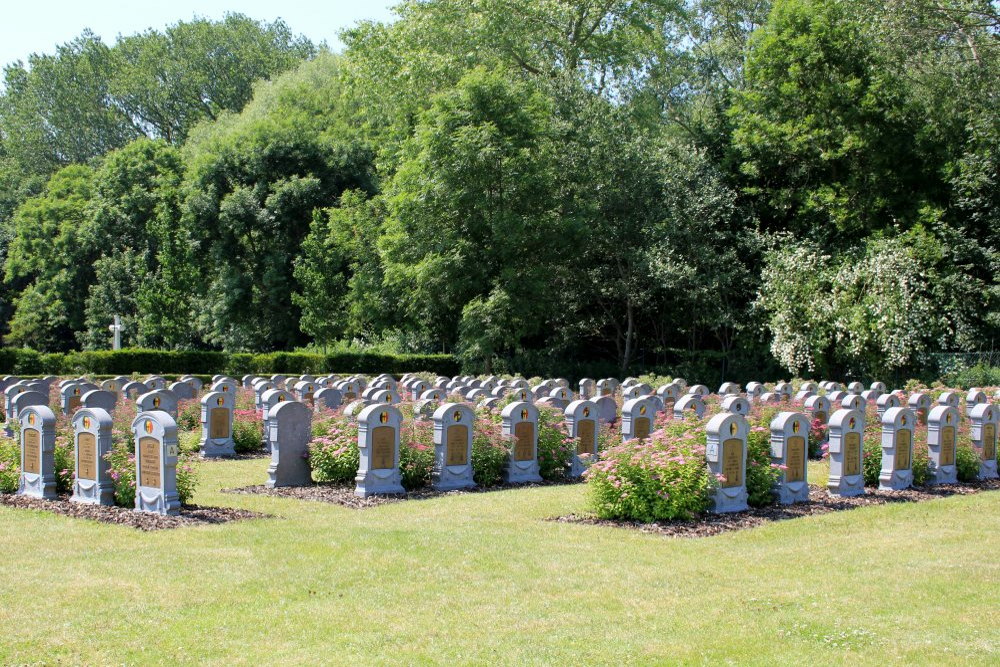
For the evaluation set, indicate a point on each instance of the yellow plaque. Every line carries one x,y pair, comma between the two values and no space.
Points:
74,403
149,462
642,427
989,442
86,452
383,456
903,439
586,436
852,454
732,462
32,451
795,459
218,423
308,398
947,457
524,447
349,396
821,416
457,445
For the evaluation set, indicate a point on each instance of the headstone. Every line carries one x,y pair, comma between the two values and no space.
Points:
636,391
581,422
72,396
726,452
269,400
155,382
689,404
921,406
669,394
638,419
38,447
437,395
818,408
100,398
195,383
351,389
489,403
225,386
21,401
754,390
837,397
607,409
304,391
156,452
784,390
354,408
897,449
327,398
247,381
769,397
182,390
588,387
290,423
259,389
729,388
92,436
949,398
985,418
112,385
606,387
801,396
877,387
378,442
736,404
870,396
886,401
698,390
790,451
132,390
854,402
453,424
158,399
217,424
942,443
846,449
973,398
855,388
809,386
520,422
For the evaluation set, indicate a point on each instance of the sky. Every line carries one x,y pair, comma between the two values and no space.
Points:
37,26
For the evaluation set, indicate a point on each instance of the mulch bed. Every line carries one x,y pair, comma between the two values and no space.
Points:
191,515
343,494
820,502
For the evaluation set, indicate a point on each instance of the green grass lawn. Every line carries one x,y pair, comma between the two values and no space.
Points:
484,578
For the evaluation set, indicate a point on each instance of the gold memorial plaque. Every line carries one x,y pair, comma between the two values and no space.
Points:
218,423
642,427
149,462
586,436
32,451
383,456
989,442
74,403
457,445
524,447
852,454
732,462
902,458
795,459
948,446
86,451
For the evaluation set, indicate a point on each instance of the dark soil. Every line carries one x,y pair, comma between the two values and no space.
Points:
343,494
820,502
191,515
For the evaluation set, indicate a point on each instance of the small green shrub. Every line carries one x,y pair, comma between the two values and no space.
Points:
10,464
761,475
555,447
248,431
967,462
333,452
490,453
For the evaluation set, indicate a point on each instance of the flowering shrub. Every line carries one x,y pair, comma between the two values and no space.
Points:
188,415
967,462
490,452
65,459
416,453
555,447
248,431
661,478
819,434
761,475
10,464
333,452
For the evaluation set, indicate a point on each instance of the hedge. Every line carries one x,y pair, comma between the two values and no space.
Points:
14,361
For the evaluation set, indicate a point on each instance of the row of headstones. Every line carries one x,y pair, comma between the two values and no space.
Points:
726,451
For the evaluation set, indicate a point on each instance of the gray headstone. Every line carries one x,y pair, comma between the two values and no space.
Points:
290,423
156,452
92,484
38,447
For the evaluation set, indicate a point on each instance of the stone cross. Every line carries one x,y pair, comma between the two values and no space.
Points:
116,329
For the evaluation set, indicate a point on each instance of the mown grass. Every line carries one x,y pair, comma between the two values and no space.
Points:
485,578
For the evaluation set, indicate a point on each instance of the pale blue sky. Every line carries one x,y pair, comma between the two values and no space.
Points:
36,26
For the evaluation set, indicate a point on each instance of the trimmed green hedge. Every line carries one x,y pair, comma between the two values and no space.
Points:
15,361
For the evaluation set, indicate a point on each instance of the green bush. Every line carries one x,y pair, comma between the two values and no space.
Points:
761,475
248,432
555,447
122,463
967,462
10,464
333,452
490,453
659,479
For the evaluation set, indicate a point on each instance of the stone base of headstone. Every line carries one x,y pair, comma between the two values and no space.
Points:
988,469
730,500
846,485
378,482
521,472
157,503
793,492
576,468
898,480
90,492
452,478
211,449
37,486
944,475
